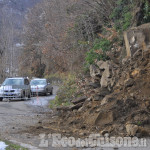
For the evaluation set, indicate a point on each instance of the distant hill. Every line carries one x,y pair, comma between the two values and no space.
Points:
19,5
15,11
12,20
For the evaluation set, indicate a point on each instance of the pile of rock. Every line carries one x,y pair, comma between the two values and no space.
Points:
103,72
116,98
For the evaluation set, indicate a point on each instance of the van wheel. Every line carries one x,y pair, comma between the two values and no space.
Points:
46,93
23,96
51,93
29,96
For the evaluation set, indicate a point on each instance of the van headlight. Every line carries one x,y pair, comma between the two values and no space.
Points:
19,91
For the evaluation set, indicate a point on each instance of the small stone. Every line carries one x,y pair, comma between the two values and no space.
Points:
94,85
129,82
74,111
135,73
97,98
103,132
124,61
132,94
131,129
121,128
89,99
81,109
81,134
79,100
98,110
104,101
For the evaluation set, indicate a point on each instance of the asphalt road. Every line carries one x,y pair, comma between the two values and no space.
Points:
16,116
11,113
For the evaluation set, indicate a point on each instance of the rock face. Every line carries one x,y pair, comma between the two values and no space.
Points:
116,101
103,73
137,38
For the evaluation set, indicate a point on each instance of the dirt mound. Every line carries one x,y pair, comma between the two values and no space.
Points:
116,101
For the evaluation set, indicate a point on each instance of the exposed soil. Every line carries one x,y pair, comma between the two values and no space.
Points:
127,103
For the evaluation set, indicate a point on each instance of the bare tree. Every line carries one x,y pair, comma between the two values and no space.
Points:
59,33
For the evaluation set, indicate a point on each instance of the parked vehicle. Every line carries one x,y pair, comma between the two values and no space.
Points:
41,86
17,88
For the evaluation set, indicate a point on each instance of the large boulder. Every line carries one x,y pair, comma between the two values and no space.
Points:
131,129
107,80
137,38
104,118
104,65
99,118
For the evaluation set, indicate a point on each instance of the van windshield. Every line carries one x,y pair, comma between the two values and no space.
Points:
38,82
13,82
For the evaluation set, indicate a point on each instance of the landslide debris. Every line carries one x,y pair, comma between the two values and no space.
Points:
116,100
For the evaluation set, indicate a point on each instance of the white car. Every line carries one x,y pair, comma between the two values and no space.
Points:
41,86
15,89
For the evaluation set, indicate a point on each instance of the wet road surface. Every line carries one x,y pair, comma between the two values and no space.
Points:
40,101
16,116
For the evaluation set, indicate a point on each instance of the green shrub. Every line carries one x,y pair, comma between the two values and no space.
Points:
146,10
127,20
103,44
91,56
65,93
122,14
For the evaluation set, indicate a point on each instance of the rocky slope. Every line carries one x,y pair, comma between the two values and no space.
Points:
116,99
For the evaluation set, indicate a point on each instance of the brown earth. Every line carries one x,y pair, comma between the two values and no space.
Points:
122,108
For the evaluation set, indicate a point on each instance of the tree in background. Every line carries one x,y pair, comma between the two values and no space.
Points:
58,34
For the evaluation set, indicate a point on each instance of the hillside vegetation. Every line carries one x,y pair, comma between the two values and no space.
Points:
67,36
12,20
104,91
